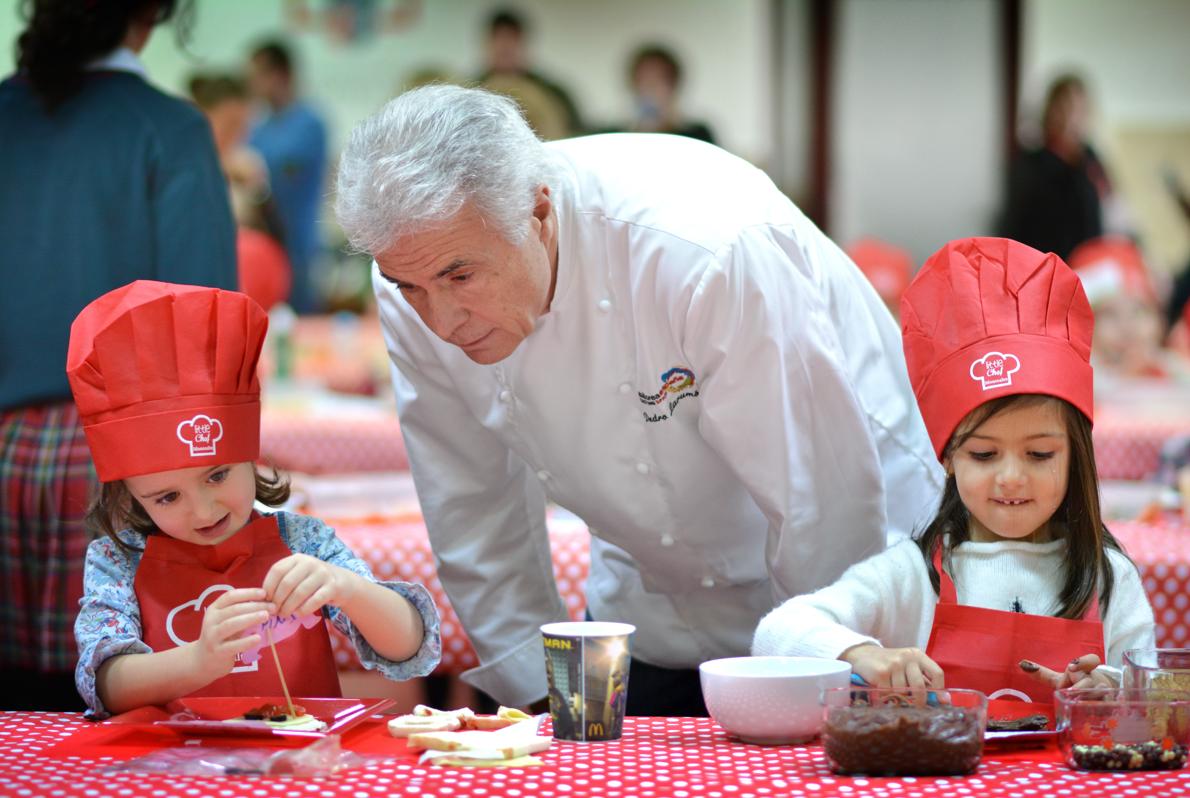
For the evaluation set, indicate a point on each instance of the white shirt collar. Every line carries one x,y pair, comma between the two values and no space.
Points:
120,60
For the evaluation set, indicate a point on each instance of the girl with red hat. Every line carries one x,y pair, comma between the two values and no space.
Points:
1015,587
189,581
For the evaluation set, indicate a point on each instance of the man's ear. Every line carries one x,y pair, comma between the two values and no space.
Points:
543,208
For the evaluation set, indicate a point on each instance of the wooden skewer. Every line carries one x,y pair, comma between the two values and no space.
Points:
268,633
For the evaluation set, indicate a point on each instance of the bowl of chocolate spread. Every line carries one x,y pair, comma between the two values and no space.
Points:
903,732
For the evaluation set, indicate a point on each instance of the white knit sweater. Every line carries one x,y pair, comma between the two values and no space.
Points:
887,599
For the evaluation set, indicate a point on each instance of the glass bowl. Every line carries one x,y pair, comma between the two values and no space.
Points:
882,731
1158,668
1123,728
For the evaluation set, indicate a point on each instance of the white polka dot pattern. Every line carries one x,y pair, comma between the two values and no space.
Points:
670,757
1128,446
332,445
1162,552
399,549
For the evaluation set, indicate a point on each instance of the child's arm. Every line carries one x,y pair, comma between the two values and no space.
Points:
378,622
882,599
302,585
129,681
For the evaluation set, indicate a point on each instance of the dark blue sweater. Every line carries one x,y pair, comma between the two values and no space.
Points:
121,182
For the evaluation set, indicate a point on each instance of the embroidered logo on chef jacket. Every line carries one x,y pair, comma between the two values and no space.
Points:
200,433
995,369
677,383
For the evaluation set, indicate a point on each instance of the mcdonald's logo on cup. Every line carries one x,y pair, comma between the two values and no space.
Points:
586,666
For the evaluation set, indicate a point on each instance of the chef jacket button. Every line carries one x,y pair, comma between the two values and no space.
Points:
506,396
543,475
667,540
642,468
708,581
625,388
605,305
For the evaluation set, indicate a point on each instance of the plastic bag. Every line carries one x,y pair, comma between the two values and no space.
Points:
322,758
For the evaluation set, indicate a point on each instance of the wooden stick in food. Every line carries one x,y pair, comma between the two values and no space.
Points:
280,674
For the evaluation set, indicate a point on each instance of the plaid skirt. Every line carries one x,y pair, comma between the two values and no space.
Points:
46,482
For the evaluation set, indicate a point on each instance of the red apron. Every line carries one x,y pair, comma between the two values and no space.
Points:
980,649
176,579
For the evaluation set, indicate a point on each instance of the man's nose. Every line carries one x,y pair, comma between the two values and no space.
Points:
443,315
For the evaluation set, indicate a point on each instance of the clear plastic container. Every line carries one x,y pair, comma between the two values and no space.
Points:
1157,669
903,732
1123,728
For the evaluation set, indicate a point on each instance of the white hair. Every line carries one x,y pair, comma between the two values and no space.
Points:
415,163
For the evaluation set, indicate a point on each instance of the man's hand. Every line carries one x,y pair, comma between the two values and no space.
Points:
1080,673
894,667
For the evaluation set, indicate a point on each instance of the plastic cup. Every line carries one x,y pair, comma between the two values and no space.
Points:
586,663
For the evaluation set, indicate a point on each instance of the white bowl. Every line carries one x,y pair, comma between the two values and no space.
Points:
770,700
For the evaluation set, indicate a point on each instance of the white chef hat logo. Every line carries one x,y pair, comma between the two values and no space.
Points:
200,433
995,369
197,605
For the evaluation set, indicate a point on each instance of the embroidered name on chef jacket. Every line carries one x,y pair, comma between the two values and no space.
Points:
677,383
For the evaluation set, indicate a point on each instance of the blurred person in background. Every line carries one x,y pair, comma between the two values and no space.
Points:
889,269
264,271
646,331
547,106
1129,327
1059,194
292,139
655,77
105,180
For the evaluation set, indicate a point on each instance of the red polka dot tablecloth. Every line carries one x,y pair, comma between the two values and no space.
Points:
332,445
1129,446
670,757
1162,553
400,550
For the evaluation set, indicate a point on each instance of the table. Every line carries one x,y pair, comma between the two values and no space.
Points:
672,757
399,548
306,429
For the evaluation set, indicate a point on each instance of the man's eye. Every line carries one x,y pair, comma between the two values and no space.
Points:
460,278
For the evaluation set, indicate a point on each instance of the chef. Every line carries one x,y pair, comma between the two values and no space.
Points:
641,329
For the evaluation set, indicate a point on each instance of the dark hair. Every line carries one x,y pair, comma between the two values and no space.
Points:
208,90
63,36
507,18
656,52
276,54
1087,539
115,509
1058,89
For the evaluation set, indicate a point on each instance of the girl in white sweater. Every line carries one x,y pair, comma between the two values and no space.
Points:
1016,587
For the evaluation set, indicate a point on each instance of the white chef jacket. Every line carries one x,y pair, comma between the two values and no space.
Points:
716,390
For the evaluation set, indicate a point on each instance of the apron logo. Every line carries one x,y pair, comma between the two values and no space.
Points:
676,384
1008,692
197,606
995,369
200,433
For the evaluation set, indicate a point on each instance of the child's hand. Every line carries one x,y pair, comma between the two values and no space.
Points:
1079,673
301,585
223,623
893,667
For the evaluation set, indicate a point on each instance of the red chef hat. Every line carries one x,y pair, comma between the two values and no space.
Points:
989,317
1112,265
887,267
164,377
